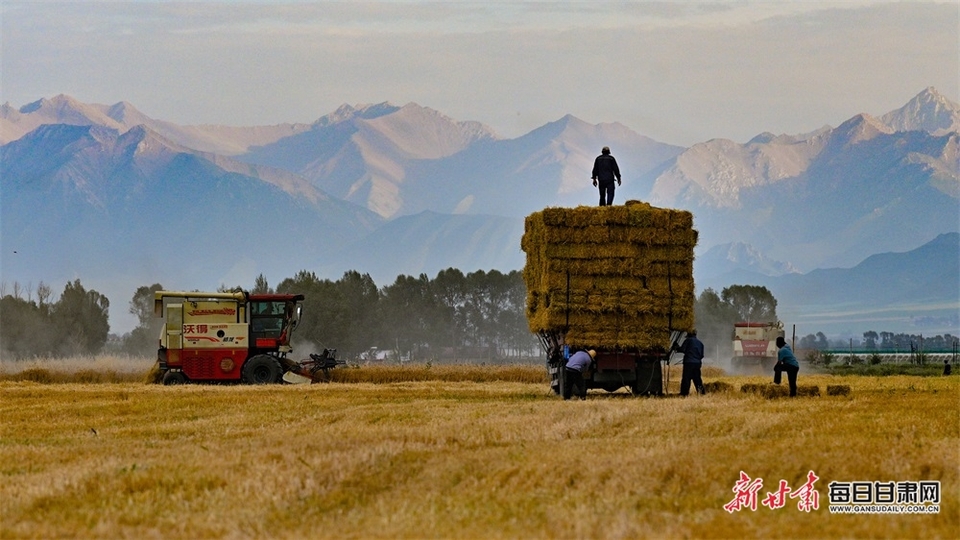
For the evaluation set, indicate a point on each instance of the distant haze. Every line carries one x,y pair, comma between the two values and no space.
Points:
678,72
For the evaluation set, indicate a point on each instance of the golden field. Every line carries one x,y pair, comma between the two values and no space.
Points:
444,456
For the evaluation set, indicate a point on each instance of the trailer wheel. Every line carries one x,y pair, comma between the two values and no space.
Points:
172,378
262,369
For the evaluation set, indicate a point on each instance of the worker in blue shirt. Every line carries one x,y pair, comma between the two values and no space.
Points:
692,350
576,366
786,361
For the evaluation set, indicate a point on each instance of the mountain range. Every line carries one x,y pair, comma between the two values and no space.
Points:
114,197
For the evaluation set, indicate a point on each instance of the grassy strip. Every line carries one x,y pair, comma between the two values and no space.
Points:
885,370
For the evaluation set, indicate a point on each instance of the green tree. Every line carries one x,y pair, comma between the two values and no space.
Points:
343,315
357,313
142,340
753,303
82,319
316,323
409,312
260,286
714,319
26,328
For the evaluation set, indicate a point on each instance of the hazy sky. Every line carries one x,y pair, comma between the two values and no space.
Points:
680,72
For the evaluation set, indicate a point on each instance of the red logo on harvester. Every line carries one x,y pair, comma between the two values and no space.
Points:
221,311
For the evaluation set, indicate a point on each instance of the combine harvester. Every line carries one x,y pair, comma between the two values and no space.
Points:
755,344
615,279
233,337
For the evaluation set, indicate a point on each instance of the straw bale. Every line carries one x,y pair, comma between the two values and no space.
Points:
636,215
716,387
599,235
611,277
574,250
838,390
771,391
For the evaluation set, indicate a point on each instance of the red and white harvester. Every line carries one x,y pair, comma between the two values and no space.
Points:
755,344
232,337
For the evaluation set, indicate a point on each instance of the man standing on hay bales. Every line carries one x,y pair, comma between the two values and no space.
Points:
573,373
692,350
786,361
605,169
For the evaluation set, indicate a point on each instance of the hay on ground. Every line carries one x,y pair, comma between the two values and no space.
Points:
838,390
716,387
771,391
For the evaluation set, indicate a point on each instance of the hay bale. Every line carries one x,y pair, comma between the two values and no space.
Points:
612,276
771,391
716,387
838,390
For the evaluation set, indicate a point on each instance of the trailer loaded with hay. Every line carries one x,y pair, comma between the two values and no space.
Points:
615,279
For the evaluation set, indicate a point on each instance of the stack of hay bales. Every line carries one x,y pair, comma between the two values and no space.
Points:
610,277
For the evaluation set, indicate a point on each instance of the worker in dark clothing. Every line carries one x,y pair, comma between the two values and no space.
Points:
786,361
605,170
946,367
576,366
692,350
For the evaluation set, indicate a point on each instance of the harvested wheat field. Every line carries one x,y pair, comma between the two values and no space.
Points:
463,459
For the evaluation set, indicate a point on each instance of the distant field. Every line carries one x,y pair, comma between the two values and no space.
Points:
447,458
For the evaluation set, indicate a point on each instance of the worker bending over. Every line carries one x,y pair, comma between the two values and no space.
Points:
576,366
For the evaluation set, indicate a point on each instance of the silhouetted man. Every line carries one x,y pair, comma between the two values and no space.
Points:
605,170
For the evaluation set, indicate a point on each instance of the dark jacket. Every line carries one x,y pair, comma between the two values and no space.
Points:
605,169
692,350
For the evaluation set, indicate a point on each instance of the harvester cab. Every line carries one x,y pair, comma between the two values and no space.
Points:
227,336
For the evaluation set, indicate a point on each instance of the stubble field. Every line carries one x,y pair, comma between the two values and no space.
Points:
446,457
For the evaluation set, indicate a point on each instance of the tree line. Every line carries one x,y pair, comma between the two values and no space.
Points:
479,315
76,323
882,342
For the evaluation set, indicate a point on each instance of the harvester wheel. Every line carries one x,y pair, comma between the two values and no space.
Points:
171,378
262,369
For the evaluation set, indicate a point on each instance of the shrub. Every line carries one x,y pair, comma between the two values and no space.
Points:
38,375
